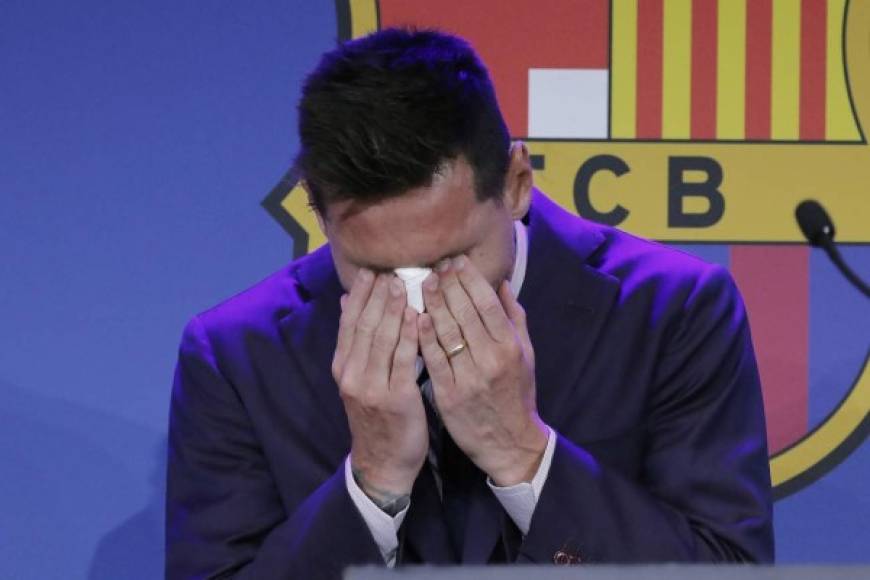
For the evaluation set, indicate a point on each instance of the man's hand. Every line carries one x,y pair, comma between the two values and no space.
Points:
485,394
374,366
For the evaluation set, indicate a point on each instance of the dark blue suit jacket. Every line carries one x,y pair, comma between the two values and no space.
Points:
644,367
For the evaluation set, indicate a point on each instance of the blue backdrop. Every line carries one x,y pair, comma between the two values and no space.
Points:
136,142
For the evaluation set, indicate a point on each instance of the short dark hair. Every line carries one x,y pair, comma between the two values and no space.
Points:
381,114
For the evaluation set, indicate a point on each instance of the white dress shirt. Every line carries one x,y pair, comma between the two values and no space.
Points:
518,500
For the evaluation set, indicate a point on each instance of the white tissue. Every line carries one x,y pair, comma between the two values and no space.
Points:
413,279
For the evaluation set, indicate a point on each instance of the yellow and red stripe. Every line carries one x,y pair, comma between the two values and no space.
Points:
704,68
731,70
623,72
756,70
839,119
813,58
759,25
650,20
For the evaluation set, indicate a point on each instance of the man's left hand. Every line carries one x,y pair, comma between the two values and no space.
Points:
485,393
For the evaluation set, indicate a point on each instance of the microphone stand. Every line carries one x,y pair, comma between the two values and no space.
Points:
818,229
831,248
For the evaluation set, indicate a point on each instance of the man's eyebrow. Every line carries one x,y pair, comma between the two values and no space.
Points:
377,269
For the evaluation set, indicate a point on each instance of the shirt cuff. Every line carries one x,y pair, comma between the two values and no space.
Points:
384,528
519,500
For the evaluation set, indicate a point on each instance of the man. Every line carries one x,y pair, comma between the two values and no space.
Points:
570,394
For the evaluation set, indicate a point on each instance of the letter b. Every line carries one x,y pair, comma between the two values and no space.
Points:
679,189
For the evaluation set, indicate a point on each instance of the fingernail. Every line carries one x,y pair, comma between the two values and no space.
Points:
443,265
459,262
395,287
430,283
364,275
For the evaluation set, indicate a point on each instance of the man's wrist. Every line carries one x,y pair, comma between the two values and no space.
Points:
525,462
393,506
389,501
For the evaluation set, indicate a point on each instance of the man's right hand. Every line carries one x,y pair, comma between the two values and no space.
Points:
374,366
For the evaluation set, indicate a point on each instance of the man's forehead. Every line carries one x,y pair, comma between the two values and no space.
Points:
416,228
387,240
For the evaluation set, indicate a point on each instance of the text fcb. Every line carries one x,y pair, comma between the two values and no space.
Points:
694,122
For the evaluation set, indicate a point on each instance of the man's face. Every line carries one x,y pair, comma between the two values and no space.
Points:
426,224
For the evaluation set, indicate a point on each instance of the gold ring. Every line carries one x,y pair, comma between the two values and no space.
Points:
456,350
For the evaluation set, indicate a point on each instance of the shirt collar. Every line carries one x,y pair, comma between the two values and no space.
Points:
521,257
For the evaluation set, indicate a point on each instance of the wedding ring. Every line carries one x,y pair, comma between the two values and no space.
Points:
456,350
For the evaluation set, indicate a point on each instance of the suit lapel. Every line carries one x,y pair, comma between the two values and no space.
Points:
566,300
310,331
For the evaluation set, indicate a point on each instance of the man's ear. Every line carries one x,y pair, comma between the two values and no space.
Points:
519,181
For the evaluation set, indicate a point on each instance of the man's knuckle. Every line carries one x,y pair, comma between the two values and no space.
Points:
435,300
371,399
466,313
452,336
513,351
347,391
490,307
382,341
366,326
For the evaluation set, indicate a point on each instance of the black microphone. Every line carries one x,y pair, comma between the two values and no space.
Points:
818,229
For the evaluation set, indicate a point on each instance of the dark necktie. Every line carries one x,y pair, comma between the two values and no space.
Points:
456,472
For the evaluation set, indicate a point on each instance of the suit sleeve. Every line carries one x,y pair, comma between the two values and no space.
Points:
704,493
224,515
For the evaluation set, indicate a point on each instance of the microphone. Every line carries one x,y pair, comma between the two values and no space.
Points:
818,229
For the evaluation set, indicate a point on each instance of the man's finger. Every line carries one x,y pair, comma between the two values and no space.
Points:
462,309
387,334
351,306
485,299
404,371
366,325
447,331
433,355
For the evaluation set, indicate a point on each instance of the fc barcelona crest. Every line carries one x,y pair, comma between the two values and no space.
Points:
699,123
